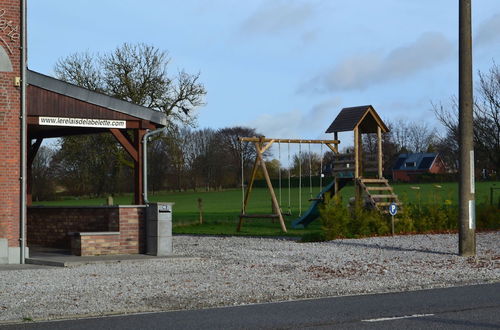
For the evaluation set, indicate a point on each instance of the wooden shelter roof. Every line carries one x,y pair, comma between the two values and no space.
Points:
364,117
50,97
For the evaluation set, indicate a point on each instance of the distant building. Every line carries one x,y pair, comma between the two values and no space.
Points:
408,166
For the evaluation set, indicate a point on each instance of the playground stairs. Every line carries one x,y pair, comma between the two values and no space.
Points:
379,192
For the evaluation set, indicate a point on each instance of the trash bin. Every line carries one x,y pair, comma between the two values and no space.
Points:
159,229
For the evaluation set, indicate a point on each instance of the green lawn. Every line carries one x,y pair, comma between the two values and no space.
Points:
221,208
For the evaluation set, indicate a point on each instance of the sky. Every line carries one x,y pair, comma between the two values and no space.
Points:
284,67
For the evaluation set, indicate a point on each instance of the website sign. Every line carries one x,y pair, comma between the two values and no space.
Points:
82,122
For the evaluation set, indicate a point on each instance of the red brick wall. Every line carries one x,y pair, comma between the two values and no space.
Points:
49,226
95,245
10,132
438,166
132,230
398,175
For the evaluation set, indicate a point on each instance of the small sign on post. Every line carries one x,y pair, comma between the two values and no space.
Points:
393,210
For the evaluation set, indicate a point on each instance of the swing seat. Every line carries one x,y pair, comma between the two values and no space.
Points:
316,199
259,216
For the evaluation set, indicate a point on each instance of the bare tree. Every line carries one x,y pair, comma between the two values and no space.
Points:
81,69
306,163
138,74
421,137
43,183
411,136
486,122
400,135
230,152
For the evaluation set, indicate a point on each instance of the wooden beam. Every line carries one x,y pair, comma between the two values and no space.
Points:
356,153
33,150
357,165
334,148
267,146
264,140
270,186
126,143
379,151
250,184
138,164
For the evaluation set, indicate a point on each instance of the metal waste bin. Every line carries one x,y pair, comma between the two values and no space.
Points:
159,229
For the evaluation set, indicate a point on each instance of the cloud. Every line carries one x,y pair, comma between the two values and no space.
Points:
276,16
487,32
298,124
361,71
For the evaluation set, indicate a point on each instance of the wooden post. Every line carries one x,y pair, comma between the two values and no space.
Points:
134,149
138,191
200,209
32,150
357,163
379,152
356,153
273,210
250,184
270,186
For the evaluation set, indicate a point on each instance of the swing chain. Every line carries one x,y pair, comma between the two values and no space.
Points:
279,172
310,173
300,179
242,181
321,169
289,183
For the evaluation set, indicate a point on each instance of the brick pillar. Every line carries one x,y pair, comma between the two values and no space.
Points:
10,134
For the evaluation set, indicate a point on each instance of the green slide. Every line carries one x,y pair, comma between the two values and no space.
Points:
313,213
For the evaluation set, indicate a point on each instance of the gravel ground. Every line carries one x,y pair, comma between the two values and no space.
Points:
233,271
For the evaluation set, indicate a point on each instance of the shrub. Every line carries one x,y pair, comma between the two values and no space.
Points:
403,223
487,217
367,222
436,215
313,237
334,217
340,221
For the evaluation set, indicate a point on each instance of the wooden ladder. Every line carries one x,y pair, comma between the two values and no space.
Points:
379,192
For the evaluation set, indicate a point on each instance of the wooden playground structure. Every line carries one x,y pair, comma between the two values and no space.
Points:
371,188
261,145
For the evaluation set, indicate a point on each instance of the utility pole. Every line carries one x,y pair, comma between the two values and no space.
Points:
467,212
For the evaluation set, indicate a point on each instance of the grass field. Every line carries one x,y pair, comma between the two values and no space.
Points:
221,208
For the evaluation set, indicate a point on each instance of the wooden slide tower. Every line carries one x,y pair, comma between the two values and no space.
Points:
370,185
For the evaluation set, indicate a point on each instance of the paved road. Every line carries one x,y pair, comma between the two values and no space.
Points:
452,308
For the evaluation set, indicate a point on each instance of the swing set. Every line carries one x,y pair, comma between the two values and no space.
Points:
371,188
262,144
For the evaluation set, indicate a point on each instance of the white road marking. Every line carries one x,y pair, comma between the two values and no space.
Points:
381,319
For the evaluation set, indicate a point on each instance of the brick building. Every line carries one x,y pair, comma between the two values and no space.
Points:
10,130
54,108
408,166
